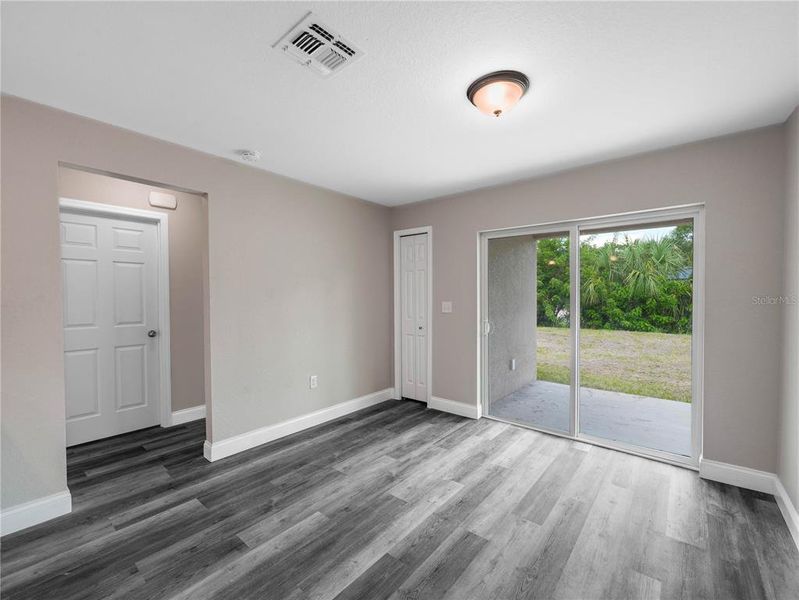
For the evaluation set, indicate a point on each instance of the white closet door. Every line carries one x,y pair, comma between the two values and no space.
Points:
111,362
414,303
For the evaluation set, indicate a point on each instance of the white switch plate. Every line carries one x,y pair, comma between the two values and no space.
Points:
313,382
446,306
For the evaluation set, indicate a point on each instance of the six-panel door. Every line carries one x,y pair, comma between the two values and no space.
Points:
110,288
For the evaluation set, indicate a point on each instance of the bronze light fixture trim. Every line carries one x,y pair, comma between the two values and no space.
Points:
496,93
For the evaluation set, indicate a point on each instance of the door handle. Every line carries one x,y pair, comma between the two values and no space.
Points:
152,333
486,326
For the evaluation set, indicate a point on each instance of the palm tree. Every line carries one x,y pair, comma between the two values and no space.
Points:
600,265
644,266
648,264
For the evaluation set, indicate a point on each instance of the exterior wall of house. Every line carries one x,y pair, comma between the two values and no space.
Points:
512,312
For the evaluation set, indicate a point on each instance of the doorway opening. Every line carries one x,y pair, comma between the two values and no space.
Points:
134,282
592,329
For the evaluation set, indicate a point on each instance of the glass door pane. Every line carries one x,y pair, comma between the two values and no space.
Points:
636,302
528,351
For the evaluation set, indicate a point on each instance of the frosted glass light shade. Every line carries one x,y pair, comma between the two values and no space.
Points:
495,99
496,93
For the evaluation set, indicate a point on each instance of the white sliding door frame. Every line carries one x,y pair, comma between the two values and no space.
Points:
161,222
397,311
575,228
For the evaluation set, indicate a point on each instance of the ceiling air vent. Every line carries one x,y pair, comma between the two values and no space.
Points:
318,47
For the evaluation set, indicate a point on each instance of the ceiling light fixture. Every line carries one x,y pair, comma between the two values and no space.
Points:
496,93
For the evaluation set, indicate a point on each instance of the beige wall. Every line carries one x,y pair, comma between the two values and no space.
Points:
788,467
512,310
741,181
188,248
299,283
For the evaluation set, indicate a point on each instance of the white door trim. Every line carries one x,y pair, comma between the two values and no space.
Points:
161,221
397,317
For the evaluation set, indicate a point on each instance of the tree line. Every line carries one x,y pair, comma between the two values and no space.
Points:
627,284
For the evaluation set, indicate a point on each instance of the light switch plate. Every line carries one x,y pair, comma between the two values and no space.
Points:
446,306
313,382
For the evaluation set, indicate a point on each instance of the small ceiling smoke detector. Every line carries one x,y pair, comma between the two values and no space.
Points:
496,93
318,46
250,155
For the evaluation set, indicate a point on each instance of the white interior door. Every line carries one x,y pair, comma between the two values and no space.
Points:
413,304
111,362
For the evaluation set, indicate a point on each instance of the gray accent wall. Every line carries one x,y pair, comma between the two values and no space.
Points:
741,181
512,313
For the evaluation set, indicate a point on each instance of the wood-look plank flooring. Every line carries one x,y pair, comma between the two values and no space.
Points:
396,501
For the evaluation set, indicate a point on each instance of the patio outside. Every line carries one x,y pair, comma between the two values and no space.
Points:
648,404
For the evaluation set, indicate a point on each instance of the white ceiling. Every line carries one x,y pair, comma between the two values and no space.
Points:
608,80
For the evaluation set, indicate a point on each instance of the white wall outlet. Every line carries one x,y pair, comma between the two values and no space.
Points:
512,364
446,306
313,382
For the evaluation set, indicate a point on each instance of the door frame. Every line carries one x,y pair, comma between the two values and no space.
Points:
161,222
695,212
397,309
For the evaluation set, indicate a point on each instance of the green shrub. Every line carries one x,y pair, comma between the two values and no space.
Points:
637,285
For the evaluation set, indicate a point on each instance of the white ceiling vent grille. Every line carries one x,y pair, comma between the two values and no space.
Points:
318,47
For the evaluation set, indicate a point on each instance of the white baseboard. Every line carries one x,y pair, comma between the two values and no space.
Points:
787,509
188,414
752,479
34,512
216,450
456,408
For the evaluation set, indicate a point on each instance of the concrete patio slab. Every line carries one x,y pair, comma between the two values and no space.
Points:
649,422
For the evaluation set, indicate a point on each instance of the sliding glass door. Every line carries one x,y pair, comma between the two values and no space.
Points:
529,351
590,330
636,305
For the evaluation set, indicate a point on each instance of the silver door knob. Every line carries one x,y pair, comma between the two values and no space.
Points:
152,333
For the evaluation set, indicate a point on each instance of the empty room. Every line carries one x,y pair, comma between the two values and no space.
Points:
399,300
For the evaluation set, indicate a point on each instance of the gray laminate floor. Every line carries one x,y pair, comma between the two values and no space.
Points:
396,502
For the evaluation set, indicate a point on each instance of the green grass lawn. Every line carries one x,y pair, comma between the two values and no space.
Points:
648,364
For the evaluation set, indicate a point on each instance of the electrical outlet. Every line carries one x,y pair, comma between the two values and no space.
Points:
313,382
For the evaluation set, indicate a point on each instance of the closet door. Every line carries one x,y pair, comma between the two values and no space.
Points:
414,303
